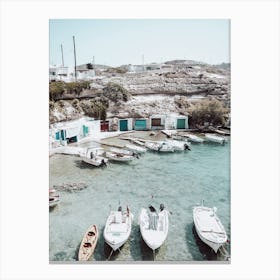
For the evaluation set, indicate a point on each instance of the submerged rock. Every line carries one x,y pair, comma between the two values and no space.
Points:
71,187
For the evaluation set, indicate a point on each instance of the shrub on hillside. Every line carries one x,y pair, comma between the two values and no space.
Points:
56,90
208,111
94,108
116,92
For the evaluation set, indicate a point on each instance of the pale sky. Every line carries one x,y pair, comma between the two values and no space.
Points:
124,41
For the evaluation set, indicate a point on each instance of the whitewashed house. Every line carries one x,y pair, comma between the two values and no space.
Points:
175,121
58,73
84,72
73,131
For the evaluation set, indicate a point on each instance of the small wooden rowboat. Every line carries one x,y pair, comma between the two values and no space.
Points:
88,243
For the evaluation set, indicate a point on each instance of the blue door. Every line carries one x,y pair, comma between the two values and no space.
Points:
123,125
140,125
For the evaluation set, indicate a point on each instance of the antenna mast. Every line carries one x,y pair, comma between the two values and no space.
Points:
75,59
62,55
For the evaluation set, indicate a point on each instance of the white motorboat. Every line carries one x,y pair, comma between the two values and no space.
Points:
121,151
194,138
119,157
209,227
215,138
93,157
136,149
154,226
178,145
159,147
53,198
140,143
118,228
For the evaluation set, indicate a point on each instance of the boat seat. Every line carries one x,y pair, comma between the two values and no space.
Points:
120,228
118,217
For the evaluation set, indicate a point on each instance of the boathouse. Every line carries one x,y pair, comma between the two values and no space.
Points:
175,121
104,125
141,124
157,122
125,124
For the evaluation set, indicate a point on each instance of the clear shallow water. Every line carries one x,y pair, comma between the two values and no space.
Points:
179,180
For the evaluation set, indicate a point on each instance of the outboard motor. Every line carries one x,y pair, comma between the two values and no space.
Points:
186,147
103,163
161,207
152,208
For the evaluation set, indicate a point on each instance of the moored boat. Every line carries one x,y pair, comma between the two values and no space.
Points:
209,227
121,151
93,157
138,142
154,226
194,138
179,145
136,149
118,228
159,147
88,243
54,198
119,157
215,138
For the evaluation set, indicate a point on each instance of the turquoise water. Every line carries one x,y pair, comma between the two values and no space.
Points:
179,180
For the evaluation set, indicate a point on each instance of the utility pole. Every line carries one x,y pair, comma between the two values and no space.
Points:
75,59
62,55
143,62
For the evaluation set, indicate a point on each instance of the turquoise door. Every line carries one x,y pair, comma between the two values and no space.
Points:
57,136
181,123
140,125
63,134
85,130
123,125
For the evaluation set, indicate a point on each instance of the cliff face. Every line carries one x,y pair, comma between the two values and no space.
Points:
166,91
194,80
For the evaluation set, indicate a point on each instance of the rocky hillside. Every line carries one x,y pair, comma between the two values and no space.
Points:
177,87
198,79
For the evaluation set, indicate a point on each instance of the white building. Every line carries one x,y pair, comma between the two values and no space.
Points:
175,121
73,131
58,73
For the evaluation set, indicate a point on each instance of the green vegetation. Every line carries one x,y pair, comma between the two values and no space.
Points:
56,90
208,111
116,92
94,108
59,89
